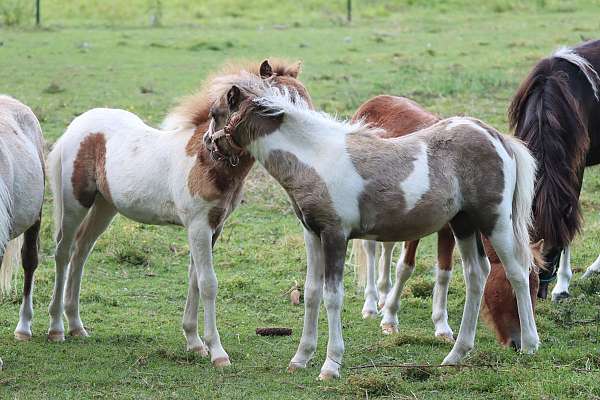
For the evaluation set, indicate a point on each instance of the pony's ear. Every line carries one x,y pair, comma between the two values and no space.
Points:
294,69
234,97
266,71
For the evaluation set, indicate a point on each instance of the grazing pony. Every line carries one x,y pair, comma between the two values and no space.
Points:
21,198
109,161
399,116
556,112
345,182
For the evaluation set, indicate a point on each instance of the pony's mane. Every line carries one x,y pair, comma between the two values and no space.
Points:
568,54
273,101
193,110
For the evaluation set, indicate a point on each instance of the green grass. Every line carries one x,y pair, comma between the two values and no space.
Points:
451,57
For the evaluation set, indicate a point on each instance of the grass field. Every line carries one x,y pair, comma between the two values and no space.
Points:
453,58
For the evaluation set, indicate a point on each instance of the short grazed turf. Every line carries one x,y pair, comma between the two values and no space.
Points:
452,57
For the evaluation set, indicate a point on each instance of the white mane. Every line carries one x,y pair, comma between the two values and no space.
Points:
584,65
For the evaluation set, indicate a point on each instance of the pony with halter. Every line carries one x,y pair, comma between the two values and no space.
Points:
109,161
21,198
345,182
556,112
399,116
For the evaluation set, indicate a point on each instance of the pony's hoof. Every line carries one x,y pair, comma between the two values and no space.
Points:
22,336
560,296
79,332
293,367
56,336
221,362
451,359
202,350
328,375
381,304
530,348
445,337
369,314
389,329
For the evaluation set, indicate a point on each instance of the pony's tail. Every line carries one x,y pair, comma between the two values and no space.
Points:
522,200
55,178
10,263
359,256
545,114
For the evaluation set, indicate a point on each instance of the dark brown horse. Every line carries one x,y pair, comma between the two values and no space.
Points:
556,112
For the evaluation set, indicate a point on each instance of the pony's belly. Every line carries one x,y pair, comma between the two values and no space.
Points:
156,213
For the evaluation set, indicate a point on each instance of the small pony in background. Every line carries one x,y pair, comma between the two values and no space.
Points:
21,198
400,116
556,113
109,161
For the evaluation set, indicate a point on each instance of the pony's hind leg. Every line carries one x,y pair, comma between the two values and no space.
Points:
476,269
503,241
564,274
439,313
384,282
404,269
29,257
190,315
592,269
72,215
95,222
369,309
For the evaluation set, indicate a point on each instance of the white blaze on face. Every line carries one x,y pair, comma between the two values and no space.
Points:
417,183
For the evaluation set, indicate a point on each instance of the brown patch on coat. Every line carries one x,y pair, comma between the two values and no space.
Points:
307,191
445,248
89,170
398,116
499,307
216,215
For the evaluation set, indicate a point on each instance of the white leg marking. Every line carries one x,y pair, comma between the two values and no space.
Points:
200,238
334,297
439,314
190,315
384,282
313,292
389,322
23,330
592,269
564,274
476,270
369,309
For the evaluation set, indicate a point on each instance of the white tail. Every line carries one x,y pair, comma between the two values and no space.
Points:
522,199
359,256
10,263
55,178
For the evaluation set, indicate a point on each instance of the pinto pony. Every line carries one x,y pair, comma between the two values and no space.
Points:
399,116
344,182
21,198
556,112
109,161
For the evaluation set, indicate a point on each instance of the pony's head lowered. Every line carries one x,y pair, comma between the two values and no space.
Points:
252,108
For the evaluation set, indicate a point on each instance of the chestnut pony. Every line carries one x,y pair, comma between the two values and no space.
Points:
109,161
399,116
556,112
21,198
345,183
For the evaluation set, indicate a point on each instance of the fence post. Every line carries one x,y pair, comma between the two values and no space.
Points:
349,3
37,12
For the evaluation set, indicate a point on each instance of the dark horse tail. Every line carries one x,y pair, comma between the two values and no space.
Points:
545,114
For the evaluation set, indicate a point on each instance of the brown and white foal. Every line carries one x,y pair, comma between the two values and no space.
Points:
345,182
21,198
109,161
399,116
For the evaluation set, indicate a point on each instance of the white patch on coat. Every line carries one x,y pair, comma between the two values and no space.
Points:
584,65
5,215
416,183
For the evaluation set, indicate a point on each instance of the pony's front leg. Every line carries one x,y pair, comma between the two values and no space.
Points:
564,274
190,315
334,250
200,238
592,269
476,269
313,292
384,282
404,269
369,309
